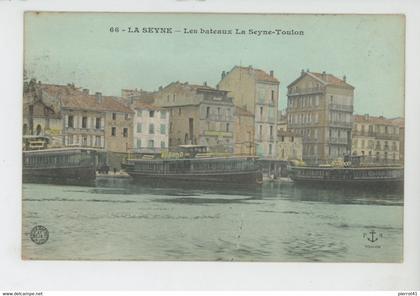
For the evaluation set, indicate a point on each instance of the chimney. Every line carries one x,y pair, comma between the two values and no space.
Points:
307,70
98,96
324,75
271,73
344,78
160,87
86,91
302,72
223,74
205,83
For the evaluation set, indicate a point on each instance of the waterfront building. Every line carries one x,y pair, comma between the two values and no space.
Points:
244,132
320,109
289,146
378,138
41,110
150,128
257,92
198,114
98,121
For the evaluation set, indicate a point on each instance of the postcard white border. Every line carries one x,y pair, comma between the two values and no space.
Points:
16,274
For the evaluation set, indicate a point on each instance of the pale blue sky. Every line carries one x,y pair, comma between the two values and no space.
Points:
78,47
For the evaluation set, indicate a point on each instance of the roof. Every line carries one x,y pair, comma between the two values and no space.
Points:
142,105
242,111
90,102
325,78
260,75
186,85
378,120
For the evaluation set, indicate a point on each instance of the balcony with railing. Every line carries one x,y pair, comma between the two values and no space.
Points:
339,107
342,124
342,141
303,91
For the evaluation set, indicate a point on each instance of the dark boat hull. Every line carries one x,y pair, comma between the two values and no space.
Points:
248,177
84,176
372,177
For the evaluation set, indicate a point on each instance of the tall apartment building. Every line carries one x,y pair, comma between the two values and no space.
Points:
377,138
257,92
198,114
151,128
320,109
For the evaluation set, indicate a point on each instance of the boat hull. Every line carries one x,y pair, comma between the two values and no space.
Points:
366,176
83,176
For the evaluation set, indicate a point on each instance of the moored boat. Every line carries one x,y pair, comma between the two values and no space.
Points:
348,173
191,166
70,165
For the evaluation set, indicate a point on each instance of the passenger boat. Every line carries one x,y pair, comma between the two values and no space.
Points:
191,163
348,173
72,165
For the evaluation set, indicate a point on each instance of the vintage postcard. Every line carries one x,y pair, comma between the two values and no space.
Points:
213,137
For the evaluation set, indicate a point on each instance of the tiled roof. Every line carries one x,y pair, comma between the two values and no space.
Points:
90,102
378,120
142,105
260,75
329,79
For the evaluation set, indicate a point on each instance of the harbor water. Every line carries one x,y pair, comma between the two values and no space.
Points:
279,221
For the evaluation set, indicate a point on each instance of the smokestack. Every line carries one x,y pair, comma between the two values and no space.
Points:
344,78
98,96
223,74
271,73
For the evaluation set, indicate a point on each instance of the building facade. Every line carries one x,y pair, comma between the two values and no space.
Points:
41,110
150,129
289,146
377,138
198,114
244,132
320,110
100,122
257,92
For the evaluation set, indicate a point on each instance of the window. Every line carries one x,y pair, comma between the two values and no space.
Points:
70,121
126,116
125,132
151,113
173,97
179,111
98,123
282,138
139,127
114,116
218,111
84,141
70,140
270,149
113,131
261,112
151,144
163,114
138,143
271,132
227,127
207,112
151,128
139,113
98,141
272,96
163,129
84,122
260,132
162,144
293,139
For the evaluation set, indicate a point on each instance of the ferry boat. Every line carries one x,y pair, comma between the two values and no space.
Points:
72,165
350,172
192,163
